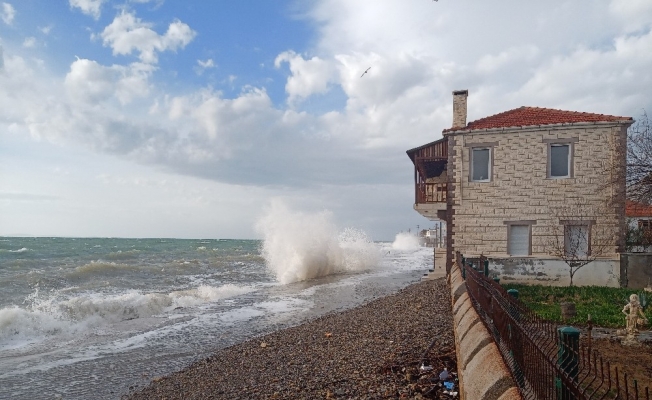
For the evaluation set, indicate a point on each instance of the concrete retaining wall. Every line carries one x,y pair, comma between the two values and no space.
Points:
635,270
554,272
481,369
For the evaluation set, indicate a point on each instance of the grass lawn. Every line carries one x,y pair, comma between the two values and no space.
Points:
604,304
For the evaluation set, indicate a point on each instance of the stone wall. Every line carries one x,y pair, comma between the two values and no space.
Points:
519,189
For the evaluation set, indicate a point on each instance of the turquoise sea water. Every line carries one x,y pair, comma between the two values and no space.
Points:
89,318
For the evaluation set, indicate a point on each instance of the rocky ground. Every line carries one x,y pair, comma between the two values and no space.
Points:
371,352
635,361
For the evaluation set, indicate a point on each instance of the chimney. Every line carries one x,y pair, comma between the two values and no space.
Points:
459,108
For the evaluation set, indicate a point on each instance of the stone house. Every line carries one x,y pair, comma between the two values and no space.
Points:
527,187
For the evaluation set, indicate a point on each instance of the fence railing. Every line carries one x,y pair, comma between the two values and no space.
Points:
546,360
431,193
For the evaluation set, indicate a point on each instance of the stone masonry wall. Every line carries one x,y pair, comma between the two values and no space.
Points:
520,190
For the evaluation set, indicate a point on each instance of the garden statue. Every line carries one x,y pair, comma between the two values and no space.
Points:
634,314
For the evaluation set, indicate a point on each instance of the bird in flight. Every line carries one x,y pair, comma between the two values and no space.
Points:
367,70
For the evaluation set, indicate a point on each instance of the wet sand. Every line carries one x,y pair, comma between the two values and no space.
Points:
373,351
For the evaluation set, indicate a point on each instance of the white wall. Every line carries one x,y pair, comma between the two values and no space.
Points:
555,272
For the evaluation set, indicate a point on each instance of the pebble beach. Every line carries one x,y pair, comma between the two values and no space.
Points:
391,347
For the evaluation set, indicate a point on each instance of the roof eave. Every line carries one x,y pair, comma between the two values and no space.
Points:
409,152
449,132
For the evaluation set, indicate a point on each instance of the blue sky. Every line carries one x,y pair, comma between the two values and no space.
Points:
167,118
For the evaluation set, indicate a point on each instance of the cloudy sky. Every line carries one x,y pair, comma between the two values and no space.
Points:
163,118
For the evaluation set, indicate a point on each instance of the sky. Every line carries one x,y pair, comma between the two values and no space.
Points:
188,119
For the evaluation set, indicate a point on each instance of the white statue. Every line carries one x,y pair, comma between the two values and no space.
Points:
634,314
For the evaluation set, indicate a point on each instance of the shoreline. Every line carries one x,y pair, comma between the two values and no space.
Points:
371,351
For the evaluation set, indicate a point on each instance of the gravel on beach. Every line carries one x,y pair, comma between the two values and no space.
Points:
374,351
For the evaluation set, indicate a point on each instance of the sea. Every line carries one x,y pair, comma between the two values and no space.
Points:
96,318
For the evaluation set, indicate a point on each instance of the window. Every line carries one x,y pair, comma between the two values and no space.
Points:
519,237
480,164
560,161
576,240
560,157
519,240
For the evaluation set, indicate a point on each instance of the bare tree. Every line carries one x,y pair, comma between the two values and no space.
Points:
639,161
637,238
576,238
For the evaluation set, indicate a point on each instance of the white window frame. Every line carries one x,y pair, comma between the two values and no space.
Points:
570,142
489,164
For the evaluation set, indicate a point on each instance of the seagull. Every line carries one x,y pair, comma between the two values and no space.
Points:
367,70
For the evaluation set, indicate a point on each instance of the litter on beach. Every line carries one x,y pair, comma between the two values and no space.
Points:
425,368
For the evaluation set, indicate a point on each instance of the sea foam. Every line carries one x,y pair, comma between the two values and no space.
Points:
59,312
299,246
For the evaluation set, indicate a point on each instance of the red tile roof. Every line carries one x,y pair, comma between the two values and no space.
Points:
529,116
634,209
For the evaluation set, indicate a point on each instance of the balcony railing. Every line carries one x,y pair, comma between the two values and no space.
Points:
431,193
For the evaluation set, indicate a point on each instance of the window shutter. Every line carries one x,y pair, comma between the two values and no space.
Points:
519,240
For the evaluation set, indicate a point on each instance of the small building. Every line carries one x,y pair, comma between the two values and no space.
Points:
639,222
518,186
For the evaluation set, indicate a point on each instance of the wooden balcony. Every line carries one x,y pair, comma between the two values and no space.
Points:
430,165
430,193
430,200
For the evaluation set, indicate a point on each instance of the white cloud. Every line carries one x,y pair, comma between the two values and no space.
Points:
538,55
90,82
514,55
204,65
89,7
308,77
633,14
29,42
8,13
557,53
605,81
46,29
127,34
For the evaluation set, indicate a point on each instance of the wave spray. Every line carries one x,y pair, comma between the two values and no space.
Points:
299,246
406,242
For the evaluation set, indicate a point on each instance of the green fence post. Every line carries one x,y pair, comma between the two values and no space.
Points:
567,359
486,268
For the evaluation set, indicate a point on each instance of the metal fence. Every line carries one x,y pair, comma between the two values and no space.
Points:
547,361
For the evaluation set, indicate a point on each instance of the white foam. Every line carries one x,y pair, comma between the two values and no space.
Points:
299,246
284,305
24,249
205,293
61,312
406,242
240,315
